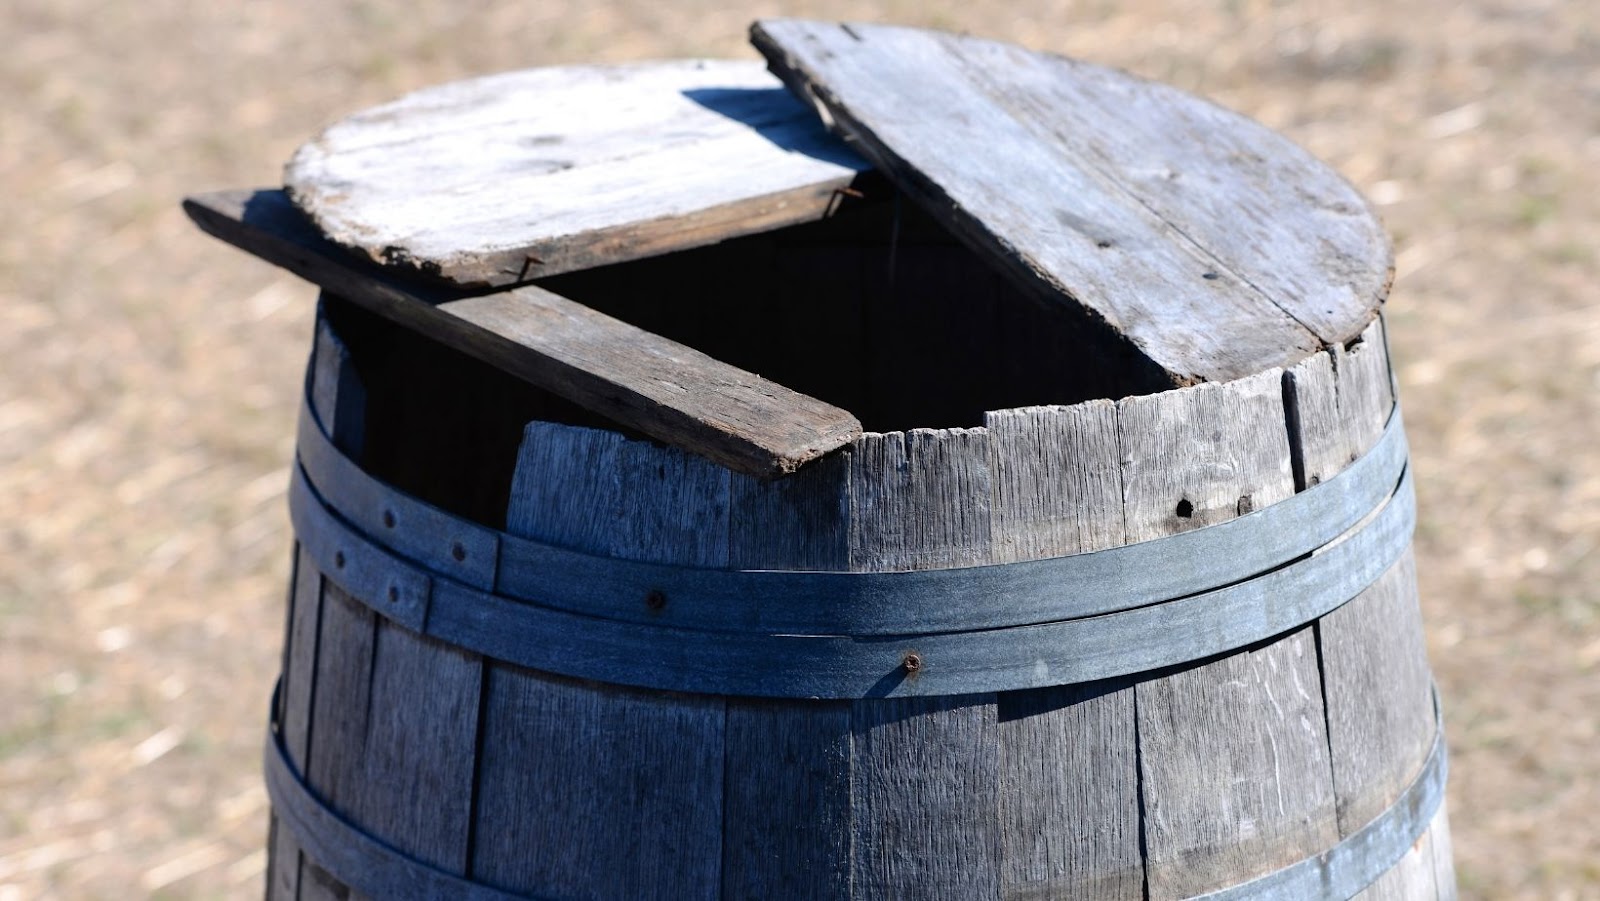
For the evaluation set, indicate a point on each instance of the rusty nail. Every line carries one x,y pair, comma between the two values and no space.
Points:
388,519
394,594
655,600
912,662
338,559
852,192
458,551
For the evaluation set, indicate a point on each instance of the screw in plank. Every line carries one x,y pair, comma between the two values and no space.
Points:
912,662
656,599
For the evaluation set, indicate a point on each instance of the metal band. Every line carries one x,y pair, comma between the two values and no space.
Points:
352,855
834,666
769,602
368,864
1345,869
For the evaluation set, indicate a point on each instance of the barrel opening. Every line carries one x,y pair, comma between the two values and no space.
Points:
439,424
878,309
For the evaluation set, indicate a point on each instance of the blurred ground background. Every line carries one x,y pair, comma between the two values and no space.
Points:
148,374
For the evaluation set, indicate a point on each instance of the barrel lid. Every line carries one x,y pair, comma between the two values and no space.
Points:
1213,246
1216,246
508,178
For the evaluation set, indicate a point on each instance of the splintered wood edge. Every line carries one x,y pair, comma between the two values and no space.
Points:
672,393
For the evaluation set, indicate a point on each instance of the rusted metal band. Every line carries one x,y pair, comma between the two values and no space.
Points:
352,855
889,604
1342,871
838,666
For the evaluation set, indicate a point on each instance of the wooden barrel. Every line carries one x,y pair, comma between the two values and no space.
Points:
1115,599
415,753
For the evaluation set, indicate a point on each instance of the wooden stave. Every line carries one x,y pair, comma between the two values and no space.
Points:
831,713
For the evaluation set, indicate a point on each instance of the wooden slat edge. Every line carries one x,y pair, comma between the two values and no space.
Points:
676,394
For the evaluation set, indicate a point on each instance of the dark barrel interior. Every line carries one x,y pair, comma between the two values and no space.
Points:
877,309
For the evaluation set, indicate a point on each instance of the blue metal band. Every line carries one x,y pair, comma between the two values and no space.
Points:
856,604
778,665
377,869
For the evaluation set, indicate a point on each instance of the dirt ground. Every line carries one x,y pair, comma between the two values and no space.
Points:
149,373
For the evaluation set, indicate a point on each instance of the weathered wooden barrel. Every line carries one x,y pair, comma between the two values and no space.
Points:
1118,601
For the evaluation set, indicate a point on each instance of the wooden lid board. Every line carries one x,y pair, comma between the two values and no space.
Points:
1213,244
508,178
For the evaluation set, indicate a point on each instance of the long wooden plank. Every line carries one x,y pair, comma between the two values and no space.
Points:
926,770
588,790
1233,753
1069,777
1374,661
498,180
787,827
668,391
338,401
1086,186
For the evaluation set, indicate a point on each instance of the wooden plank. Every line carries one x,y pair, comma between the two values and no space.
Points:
416,787
1444,867
1376,680
1234,758
787,813
925,798
338,399
593,490
1057,481
283,863
1263,207
342,698
1202,455
787,827
1152,262
1233,753
590,791
301,656
1365,387
1379,695
926,770
585,789
1069,806
498,180
919,500
664,389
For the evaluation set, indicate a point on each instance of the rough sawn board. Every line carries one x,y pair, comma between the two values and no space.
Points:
499,180
1214,246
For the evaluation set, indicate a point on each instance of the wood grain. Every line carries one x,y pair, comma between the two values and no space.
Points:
1375,668
1233,753
664,389
338,400
594,792
589,790
926,770
1151,192
1069,807
787,809
498,180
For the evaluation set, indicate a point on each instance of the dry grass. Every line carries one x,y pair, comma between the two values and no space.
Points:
149,380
